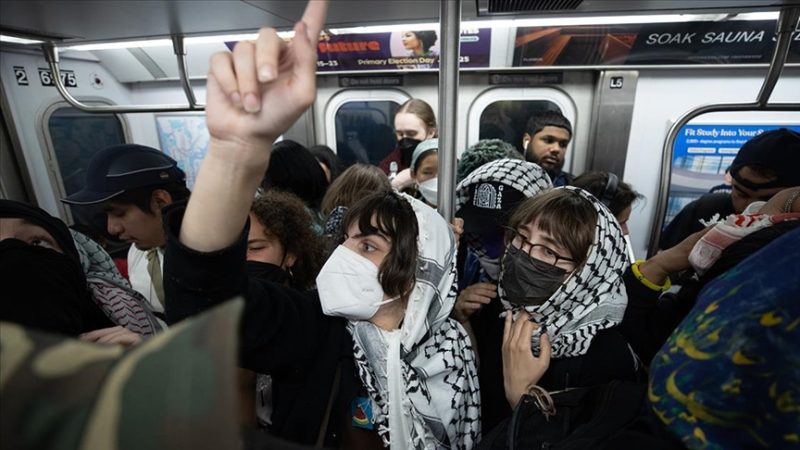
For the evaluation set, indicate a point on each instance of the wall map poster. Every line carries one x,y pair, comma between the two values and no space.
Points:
731,42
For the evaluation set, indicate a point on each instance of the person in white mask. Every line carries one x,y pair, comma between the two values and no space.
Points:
369,358
425,170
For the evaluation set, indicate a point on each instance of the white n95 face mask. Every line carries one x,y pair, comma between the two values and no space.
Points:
348,286
429,190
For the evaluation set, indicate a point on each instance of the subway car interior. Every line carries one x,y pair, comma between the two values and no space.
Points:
660,93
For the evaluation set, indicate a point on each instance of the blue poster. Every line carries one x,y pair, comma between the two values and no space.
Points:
701,156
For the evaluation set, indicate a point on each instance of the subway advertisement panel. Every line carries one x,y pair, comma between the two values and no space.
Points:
732,42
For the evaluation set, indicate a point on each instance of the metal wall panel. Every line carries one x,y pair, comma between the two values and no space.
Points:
611,120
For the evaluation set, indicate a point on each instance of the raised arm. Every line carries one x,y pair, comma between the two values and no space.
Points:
253,95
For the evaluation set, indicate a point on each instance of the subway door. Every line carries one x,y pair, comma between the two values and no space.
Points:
54,141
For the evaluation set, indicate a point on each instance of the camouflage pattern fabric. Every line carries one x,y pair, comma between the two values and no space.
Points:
176,390
729,376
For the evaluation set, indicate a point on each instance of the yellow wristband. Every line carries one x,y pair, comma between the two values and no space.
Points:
638,274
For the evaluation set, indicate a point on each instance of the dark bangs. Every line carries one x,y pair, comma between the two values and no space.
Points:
566,216
395,220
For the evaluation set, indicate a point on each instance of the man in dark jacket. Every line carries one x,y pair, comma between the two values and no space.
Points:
764,166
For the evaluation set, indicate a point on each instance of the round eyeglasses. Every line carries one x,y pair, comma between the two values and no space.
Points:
539,251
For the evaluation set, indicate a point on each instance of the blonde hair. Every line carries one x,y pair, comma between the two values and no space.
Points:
420,109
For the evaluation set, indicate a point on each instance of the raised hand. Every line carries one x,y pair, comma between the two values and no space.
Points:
254,95
257,92
520,368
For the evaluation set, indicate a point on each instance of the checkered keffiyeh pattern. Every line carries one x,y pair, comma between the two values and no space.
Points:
593,297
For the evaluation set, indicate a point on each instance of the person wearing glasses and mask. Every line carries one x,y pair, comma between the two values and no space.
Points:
562,288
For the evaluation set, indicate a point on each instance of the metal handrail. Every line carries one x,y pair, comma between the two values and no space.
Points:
450,34
180,55
787,23
52,57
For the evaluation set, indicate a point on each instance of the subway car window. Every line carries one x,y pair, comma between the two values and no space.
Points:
506,119
364,131
75,137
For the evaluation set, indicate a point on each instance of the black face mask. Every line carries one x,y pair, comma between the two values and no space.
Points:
528,281
407,146
44,289
266,272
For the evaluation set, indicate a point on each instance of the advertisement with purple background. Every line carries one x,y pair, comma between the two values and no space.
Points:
398,50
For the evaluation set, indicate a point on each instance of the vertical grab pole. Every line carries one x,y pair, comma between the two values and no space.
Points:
449,43
180,54
787,23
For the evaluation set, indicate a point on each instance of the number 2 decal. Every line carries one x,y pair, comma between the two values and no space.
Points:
21,75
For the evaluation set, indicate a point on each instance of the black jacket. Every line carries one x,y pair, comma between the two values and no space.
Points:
650,318
688,220
283,333
608,358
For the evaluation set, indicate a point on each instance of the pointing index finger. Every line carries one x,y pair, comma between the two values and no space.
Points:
314,18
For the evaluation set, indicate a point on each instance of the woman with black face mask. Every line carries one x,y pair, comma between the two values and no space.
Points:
43,285
414,122
282,245
561,286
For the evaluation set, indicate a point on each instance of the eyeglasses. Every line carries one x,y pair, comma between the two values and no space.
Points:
539,251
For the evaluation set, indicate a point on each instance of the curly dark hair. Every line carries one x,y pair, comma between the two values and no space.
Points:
283,215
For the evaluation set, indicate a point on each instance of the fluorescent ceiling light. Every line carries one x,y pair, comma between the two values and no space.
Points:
232,38
123,44
18,40
766,15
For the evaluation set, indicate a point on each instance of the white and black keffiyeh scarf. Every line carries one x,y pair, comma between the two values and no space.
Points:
434,372
111,291
593,297
523,176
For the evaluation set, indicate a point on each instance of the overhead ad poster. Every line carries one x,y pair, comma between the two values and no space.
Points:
700,158
730,42
398,50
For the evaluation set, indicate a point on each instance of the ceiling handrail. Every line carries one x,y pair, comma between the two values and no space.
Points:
787,24
52,57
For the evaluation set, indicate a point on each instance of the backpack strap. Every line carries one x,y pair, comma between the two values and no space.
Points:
326,418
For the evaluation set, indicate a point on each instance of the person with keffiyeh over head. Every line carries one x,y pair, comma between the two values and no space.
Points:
484,200
561,285
378,323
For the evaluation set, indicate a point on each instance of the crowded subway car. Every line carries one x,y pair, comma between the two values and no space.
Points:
400,224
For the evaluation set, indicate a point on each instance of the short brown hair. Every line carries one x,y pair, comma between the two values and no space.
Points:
395,219
565,215
285,217
420,109
352,185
